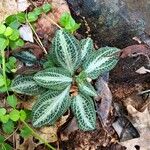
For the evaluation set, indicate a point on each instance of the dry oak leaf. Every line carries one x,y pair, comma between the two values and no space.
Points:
138,49
106,100
44,26
49,133
9,7
141,121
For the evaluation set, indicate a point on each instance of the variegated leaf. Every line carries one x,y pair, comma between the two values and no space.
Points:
86,48
108,51
84,111
53,78
50,107
26,57
66,49
101,61
86,88
26,85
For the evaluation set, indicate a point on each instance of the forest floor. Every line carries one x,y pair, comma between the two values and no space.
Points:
123,109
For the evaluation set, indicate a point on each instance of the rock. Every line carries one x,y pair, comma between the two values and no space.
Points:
112,22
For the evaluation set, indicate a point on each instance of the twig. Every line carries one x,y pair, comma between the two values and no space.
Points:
52,21
11,134
37,136
41,44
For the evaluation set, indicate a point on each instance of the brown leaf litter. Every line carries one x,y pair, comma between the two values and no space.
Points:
141,121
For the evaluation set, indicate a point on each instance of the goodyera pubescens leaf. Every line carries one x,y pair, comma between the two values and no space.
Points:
78,62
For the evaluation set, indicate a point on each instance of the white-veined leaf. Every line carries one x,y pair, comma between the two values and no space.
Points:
66,49
26,57
86,48
86,88
26,85
50,107
53,78
84,111
100,61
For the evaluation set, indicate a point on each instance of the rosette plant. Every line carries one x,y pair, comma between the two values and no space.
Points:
68,84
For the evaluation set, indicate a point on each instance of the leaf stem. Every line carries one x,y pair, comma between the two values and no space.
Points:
37,136
4,70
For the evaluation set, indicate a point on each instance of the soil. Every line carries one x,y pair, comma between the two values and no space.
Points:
124,84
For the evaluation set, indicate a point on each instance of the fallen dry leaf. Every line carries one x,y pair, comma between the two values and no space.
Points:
141,121
135,50
28,144
26,33
35,49
70,128
44,26
49,133
106,100
123,127
142,70
9,7
22,5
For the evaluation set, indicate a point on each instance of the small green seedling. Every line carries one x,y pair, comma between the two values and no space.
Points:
67,84
68,22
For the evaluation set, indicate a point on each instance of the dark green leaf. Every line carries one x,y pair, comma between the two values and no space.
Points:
3,43
68,22
86,48
47,7
26,57
2,138
7,147
14,36
25,132
32,16
2,111
53,78
4,119
20,43
38,10
8,127
26,85
2,28
10,19
86,88
100,61
12,100
66,50
8,31
11,65
15,24
21,17
28,114
14,115
16,44
50,107
84,111
2,81
23,115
